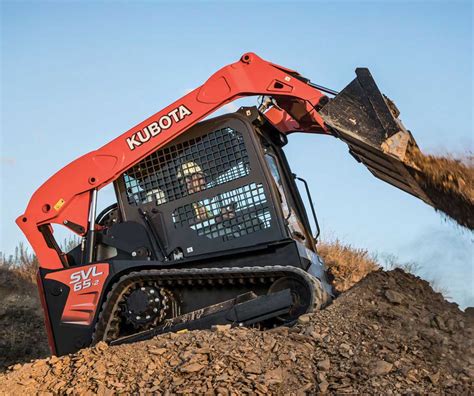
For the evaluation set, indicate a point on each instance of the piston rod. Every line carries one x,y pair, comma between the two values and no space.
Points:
90,243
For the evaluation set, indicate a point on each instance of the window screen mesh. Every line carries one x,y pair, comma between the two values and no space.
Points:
216,158
228,215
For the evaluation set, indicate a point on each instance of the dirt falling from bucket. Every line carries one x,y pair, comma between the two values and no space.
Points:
449,183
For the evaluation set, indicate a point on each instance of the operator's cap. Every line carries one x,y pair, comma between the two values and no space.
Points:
188,169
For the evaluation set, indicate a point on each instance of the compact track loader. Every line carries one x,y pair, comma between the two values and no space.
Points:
209,226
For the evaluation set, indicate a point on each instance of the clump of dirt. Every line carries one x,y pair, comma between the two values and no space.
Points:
346,265
389,334
449,183
22,334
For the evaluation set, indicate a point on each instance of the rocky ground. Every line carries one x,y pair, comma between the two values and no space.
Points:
389,334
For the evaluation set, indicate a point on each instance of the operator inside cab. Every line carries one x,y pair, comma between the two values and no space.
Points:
193,176
194,180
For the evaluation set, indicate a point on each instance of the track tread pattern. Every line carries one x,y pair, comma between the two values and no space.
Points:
105,321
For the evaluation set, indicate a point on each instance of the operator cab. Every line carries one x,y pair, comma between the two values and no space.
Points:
223,187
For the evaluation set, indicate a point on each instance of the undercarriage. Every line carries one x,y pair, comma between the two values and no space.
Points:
148,299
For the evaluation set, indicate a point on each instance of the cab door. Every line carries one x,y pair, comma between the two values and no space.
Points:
287,193
205,192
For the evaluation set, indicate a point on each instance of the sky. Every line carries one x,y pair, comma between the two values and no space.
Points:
74,75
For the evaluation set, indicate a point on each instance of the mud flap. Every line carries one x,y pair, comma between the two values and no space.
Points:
367,121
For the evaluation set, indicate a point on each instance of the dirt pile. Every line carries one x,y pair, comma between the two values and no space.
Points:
346,265
449,183
21,315
389,334
22,334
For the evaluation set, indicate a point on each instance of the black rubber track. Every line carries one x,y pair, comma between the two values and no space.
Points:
107,324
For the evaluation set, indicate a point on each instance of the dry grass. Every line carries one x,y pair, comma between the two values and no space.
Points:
449,183
25,264
347,265
18,271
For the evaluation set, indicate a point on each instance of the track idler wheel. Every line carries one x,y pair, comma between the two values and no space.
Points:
301,294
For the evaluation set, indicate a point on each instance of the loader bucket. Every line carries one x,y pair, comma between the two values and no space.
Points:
367,121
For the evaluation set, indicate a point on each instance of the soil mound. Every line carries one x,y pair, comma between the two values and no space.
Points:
389,334
449,183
